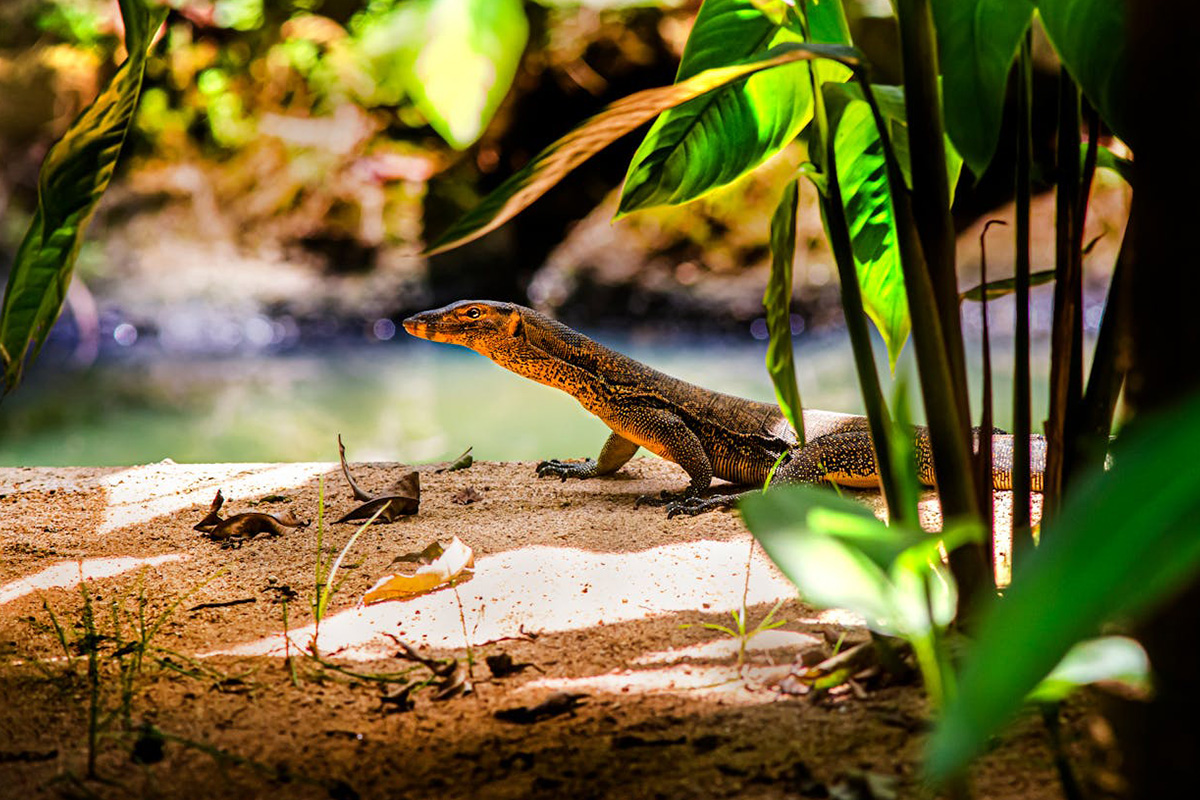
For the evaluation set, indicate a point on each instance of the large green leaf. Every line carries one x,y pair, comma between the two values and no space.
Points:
839,555
710,141
1090,38
74,175
777,300
1126,539
1114,659
866,196
454,58
550,165
978,41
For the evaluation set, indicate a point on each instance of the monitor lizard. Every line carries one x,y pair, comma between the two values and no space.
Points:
708,433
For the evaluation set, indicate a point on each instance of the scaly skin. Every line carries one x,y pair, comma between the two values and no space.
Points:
709,434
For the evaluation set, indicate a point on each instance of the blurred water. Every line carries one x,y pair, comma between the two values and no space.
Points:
404,400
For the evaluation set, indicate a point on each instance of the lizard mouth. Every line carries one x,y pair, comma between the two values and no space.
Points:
431,326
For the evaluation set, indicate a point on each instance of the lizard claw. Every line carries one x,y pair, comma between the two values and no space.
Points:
664,498
694,506
566,469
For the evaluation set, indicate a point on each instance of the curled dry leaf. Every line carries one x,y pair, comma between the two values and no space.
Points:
457,562
402,499
235,530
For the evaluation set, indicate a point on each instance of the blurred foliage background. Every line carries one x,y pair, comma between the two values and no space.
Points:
290,159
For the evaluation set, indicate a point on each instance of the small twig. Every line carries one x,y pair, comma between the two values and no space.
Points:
225,603
522,636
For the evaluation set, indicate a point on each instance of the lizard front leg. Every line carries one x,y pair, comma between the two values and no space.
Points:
616,451
668,436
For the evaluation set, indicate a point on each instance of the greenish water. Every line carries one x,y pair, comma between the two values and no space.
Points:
404,401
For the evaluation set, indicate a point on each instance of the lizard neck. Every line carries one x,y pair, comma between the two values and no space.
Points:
546,351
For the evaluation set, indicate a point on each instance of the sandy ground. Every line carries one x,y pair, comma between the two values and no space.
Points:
602,600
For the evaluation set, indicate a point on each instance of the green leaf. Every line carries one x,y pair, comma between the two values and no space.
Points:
1107,159
1110,659
777,300
713,140
1005,286
924,593
827,22
891,107
1090,37
74,175
839,555
866,196
785,507
977,41
550,165
789,522
1126,539
456,59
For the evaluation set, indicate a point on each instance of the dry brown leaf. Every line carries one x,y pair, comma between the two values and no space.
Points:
464,497
402,499
457,561
242,527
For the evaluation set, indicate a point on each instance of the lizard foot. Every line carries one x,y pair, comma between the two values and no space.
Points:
567,469
693,506
663,499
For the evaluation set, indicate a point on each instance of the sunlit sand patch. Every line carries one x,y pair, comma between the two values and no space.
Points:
67,574
727,647
140,494
724,681
549,589
834,616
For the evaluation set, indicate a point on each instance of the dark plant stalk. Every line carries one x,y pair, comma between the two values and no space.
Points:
931,279
947,422
878,417
930,180
1110,362
1066,359
983,461
834,215
1022,536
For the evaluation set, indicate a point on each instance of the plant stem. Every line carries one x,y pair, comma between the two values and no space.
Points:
947,421
987,497
1110,361
860,340
1022,534
931,282
1066,353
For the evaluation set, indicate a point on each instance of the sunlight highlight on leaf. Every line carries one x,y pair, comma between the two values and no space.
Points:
715,139
553,163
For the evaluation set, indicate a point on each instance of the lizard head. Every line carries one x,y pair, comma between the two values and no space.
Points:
481,325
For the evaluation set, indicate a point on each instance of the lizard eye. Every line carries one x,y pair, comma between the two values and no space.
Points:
474,313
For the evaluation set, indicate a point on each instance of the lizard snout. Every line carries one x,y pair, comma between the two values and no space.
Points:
419,325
